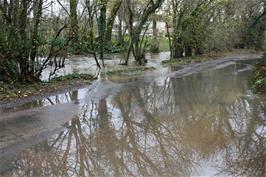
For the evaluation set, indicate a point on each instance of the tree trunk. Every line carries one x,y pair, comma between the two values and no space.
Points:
102,28
24,52
120,32
34,39
74,24
138,48
177,48
155,44
188,51
169,38
199,51
110,21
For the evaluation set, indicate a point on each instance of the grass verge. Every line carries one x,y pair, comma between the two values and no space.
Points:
203,58
258,80
10,92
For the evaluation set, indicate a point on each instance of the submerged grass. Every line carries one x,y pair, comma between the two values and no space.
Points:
127,70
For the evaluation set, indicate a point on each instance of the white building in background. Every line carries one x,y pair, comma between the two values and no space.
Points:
161,27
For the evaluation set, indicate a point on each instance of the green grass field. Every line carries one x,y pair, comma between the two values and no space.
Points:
164,44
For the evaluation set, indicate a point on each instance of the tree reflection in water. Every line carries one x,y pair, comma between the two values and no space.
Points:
247,155
162,129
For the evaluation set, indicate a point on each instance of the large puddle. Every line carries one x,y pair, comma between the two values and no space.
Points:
203,124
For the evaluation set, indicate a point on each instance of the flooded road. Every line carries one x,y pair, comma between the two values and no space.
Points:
191,122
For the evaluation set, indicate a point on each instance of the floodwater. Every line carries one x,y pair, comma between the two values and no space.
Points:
206,123
86,64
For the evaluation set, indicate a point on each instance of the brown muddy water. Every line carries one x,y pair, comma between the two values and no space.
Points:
204,123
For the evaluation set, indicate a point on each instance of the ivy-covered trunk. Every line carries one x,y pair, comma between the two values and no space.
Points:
102,28
176,43
74,25
37,13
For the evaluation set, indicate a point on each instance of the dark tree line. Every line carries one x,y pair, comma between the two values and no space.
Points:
36,34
